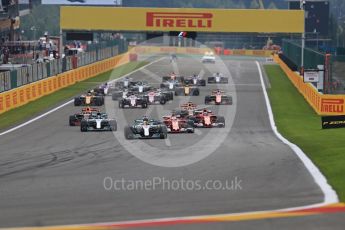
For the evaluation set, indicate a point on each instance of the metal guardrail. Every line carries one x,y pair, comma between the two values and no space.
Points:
37,71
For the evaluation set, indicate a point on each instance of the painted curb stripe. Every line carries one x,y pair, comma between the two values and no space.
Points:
328,209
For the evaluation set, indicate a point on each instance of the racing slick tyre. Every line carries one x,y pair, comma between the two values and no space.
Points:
99,101
225,80
221,122
121,105
71,120
190,126
190,130
163,133
196,92
83,126
228,100
144,104
202,82
171,96
128,133
163,100
207,100
77,101
113,125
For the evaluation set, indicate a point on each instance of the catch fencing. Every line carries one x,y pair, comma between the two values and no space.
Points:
38,71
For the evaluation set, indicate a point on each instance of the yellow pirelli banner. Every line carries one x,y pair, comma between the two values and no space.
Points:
323,104
181,19
22,95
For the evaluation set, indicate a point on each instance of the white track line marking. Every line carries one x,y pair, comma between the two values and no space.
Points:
330,195
69,102
36,118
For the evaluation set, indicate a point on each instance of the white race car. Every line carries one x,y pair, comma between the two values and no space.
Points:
208,58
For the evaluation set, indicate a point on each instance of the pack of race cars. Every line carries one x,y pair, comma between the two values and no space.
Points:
139,94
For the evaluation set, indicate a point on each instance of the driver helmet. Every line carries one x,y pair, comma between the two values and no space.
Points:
145,120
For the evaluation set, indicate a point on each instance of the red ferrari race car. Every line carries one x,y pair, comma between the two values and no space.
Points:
75,120
207,119
218,97
178,124
200,117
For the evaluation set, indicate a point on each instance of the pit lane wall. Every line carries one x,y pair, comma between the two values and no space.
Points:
198,51
22,95
323,104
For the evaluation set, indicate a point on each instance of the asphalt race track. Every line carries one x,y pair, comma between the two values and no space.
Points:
52,174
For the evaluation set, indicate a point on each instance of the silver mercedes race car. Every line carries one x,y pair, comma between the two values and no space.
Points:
98,122
146,129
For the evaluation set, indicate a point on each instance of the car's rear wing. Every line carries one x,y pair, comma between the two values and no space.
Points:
88,109
188,106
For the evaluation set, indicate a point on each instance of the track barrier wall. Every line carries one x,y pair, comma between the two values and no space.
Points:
323,104
29,92
197,51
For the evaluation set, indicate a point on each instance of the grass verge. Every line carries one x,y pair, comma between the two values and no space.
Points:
36,107
298,122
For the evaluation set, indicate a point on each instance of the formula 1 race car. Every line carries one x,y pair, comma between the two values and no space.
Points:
140,87
125,83
75,120
187,90
207,119
208,58
146,129
136,87
218,97
186,110
133,101
119,93
98,122
200,117
178,124
104,89
195,81
217,79
90,98
170,84
155,97
172,77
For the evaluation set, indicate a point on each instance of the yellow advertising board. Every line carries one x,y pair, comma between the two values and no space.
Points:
199,51
181,19
16,97
323,104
